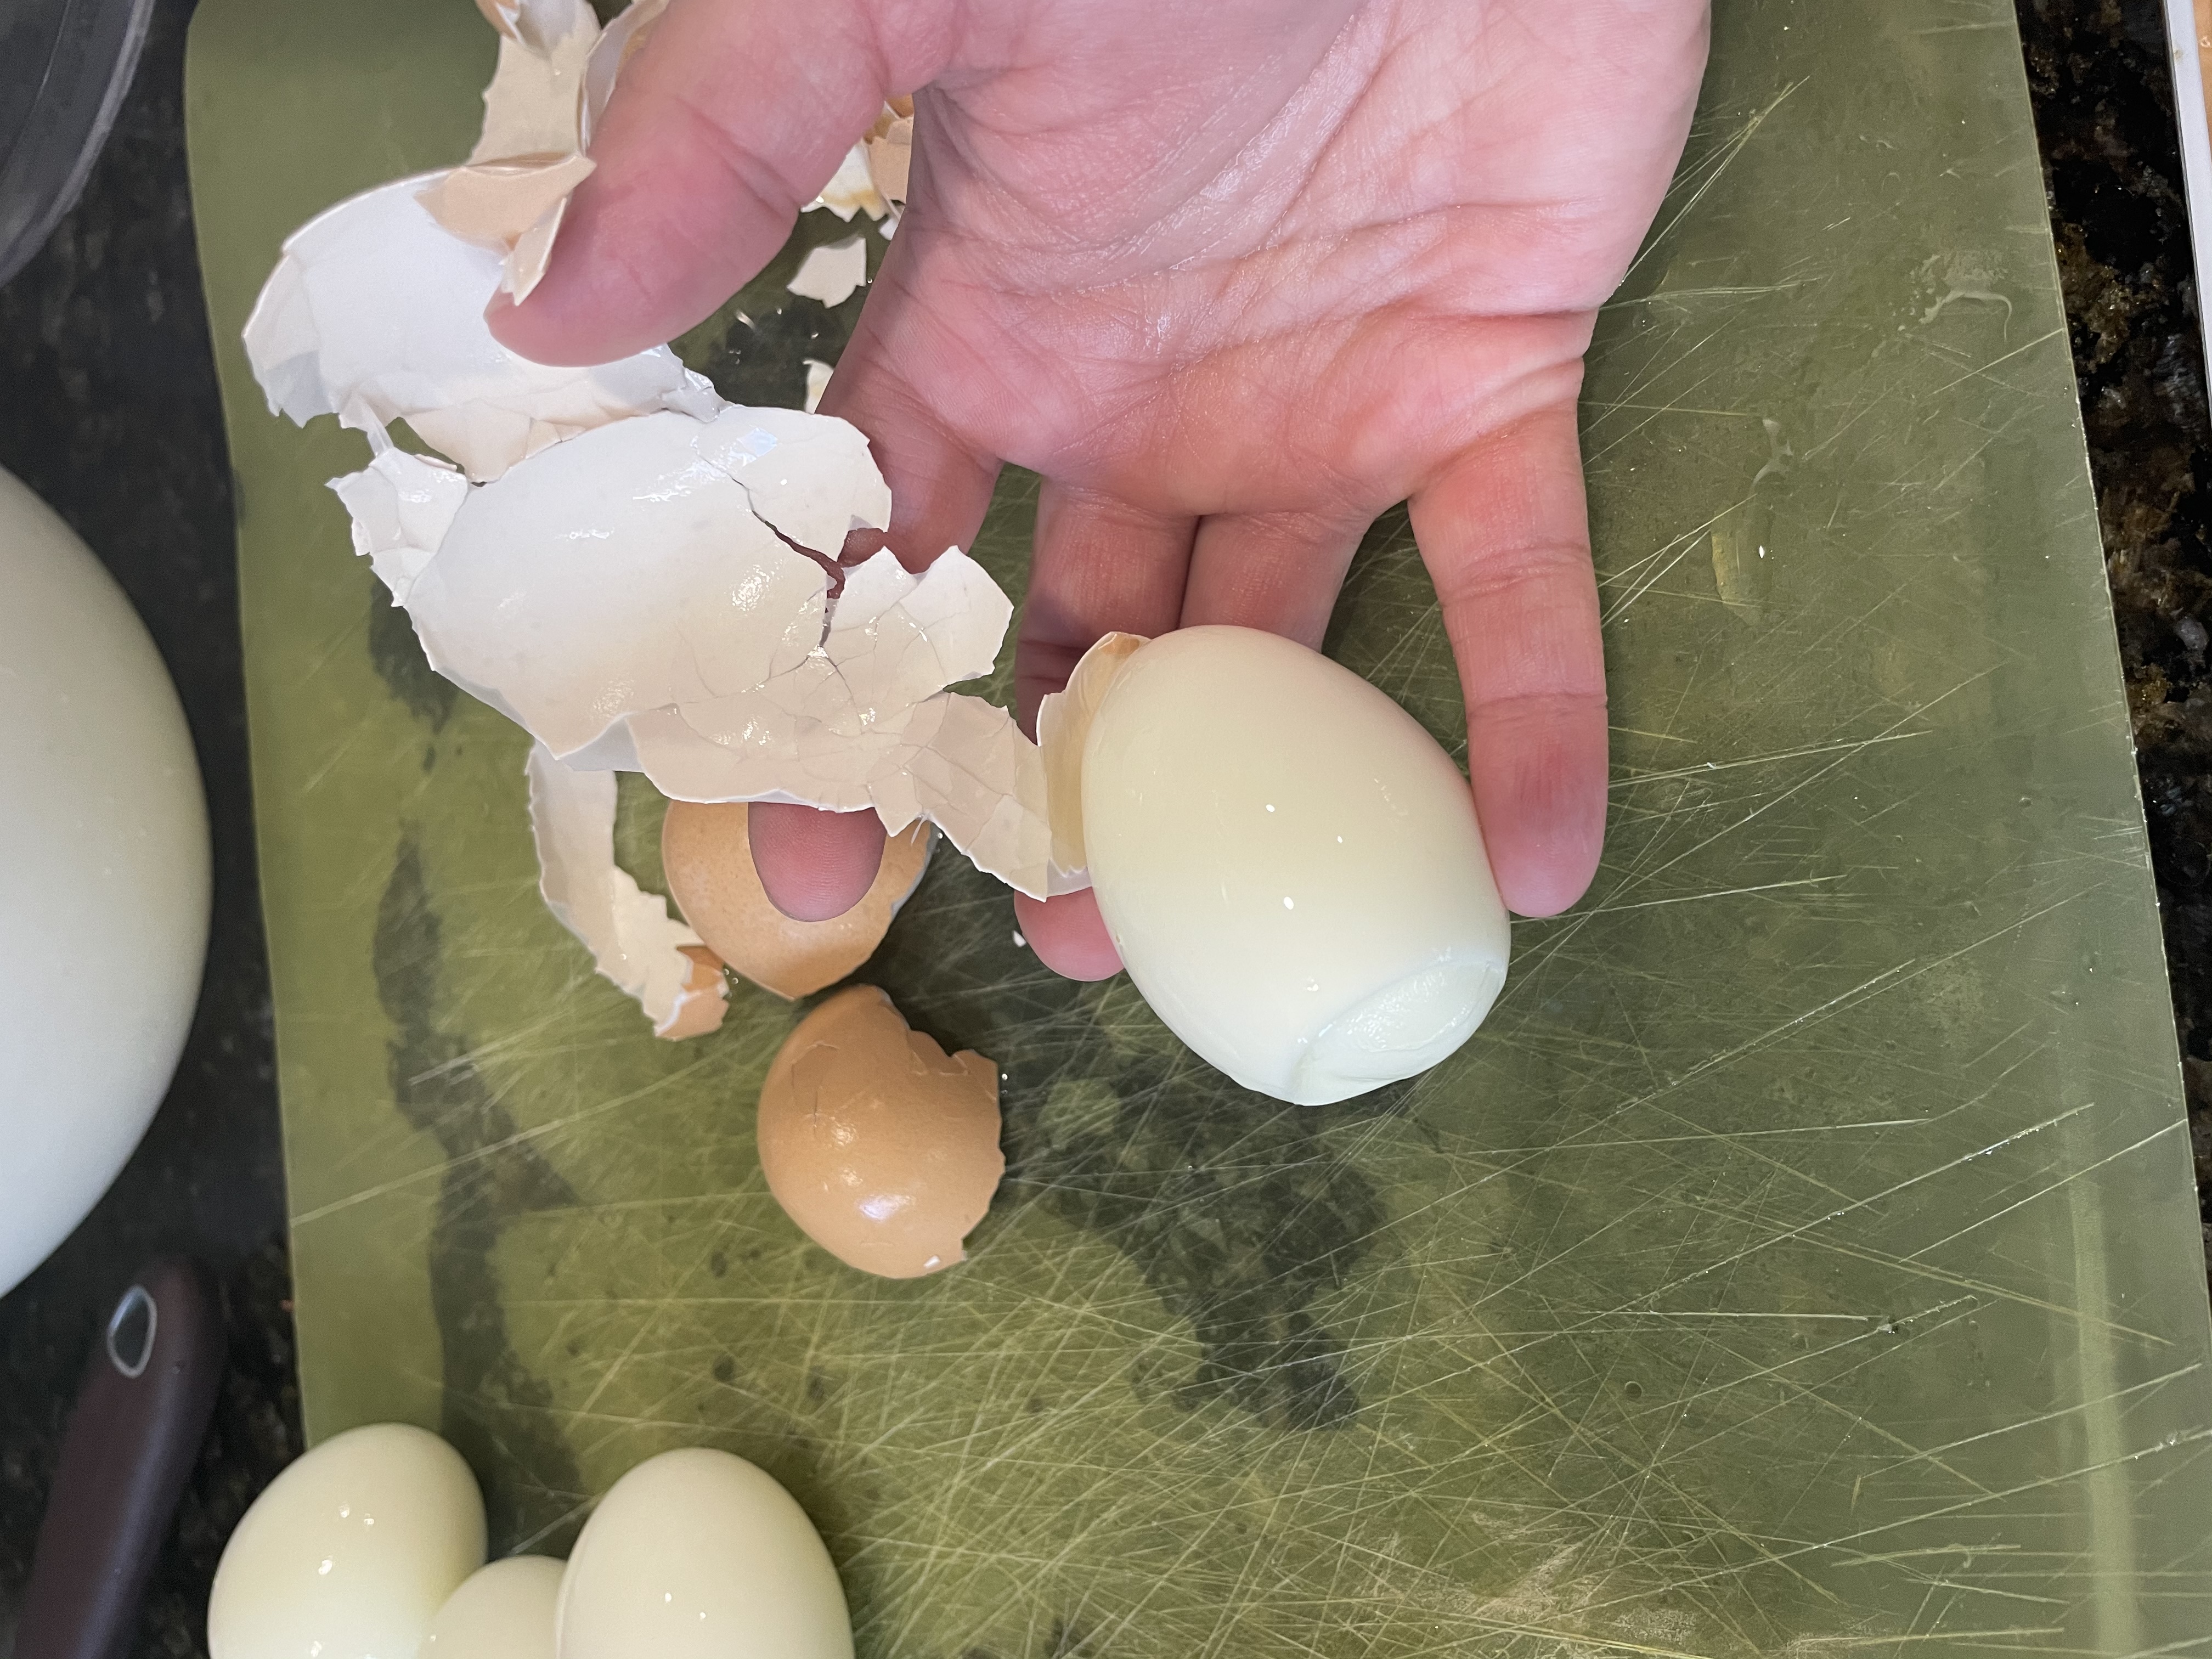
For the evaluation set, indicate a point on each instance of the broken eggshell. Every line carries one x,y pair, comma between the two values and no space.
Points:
873,175
1063,723
510,195
883,1148
830,271
1296,881
659,597
557,71
633,601
706,852
375,314
633,939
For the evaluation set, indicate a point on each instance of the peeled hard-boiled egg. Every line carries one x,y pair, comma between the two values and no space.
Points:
1289,865
503,1611
350,1552
883,1147
696,1554
103,843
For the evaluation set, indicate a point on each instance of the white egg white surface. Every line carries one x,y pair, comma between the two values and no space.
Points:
696,1554
502,1611
1289,865
350,1552
103,880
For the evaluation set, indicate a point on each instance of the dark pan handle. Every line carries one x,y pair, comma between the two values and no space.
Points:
148,1390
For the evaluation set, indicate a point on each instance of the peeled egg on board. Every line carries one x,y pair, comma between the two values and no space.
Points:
350,1552
1289,865
503,1611
696,1554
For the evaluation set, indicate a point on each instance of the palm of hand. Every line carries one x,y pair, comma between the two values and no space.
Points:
1233,277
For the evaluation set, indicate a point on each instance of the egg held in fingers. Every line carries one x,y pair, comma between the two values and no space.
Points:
1288,863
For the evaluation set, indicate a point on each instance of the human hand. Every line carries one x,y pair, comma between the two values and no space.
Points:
1234,276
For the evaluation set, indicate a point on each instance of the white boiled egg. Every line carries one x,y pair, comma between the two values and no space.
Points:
103,880
1289,865
350,1552
503,1611
696,1554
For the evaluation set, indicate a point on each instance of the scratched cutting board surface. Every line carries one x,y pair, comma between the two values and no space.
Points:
1803,1256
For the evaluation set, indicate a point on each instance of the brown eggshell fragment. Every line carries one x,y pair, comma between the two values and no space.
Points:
703,1000
883,1148
706,853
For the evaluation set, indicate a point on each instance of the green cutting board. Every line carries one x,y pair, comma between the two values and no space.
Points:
1802,1260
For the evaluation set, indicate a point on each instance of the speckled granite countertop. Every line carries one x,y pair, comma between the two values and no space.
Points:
2104,112
105,357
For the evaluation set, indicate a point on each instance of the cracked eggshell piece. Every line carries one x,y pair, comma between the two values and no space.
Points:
624,572
375,314
707,851
402,506
633,939
510,195
627,599
620,41
882,1147
1063,724
830,271
873,175
1289,865
890,158
534,106
696,1554
557,71
852,188
502,1611
350,1552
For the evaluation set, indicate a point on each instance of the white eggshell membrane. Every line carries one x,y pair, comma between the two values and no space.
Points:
633,939
696,1554
350,1552
503,1611
1289,865
375,313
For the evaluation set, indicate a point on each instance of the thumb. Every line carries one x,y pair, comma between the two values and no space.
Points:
726,123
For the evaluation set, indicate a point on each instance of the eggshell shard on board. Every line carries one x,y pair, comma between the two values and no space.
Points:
375,314
830,271
695,1554
882,1148
350,1552
707,851
633,939
504,1610
1296,881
